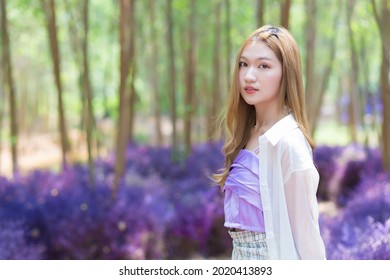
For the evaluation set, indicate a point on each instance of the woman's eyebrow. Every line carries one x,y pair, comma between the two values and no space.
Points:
258,58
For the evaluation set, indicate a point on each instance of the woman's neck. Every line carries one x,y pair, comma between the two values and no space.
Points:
267,116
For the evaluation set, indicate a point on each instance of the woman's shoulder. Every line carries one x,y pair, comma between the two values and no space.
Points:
295,139
296,150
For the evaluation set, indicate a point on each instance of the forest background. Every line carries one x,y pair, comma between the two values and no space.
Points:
80,80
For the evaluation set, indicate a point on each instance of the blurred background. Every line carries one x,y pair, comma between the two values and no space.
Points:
109,126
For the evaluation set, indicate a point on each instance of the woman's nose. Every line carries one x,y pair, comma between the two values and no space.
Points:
249,76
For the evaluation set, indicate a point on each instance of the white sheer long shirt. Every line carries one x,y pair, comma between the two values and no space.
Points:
288,185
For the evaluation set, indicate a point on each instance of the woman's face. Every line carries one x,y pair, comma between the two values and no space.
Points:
260,74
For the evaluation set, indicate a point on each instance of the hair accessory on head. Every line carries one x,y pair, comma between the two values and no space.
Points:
273,30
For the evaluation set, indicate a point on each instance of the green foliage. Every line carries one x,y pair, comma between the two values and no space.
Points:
33,66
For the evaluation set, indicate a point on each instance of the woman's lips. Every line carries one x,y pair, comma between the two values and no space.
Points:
249,89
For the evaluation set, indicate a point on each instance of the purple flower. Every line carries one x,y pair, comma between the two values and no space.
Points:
15,246
366,213
325,161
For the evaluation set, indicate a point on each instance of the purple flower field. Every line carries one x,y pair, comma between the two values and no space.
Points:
167,209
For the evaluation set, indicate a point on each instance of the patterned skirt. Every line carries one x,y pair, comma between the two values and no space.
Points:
249,245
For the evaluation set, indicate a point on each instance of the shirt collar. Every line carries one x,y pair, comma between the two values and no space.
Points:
281,128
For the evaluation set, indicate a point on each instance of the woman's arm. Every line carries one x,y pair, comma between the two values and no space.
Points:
300,188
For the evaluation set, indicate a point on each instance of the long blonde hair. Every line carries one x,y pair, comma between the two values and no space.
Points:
240,117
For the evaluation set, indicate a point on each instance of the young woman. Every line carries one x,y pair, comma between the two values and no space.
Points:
269,179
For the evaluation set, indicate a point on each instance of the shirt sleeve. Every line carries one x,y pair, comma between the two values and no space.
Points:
302,205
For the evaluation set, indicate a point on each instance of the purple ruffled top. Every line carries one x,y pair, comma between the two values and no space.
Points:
243,209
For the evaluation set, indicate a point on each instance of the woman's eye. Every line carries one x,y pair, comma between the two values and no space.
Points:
263,66
242,64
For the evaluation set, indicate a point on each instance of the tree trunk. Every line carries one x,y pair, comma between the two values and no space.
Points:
2,100
75,43
310,30
10,88
204,108
132,101
325,80
353,89
366,123
260,6
171,75
49,9
386,106
131,77
125,22
154,75
216,90
228,43
383,22
2,108
23,120
340,93
285,13
88,92
190,80
79,44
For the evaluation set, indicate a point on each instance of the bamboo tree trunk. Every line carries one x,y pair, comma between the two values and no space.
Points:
79,44
22,105
190,80
7,68
131,77
154,75
228,43
171,75
383,22
76,49
385,81
89,94
2,108
49,9
340,92
216,90
204,111
325,80
2,97
385,68
260,7
285,13
366,123
353,92
132,102
310,30
2,105
126,12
